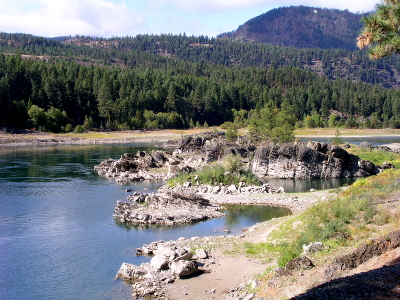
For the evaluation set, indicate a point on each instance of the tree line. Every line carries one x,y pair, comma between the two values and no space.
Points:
60,94
162,52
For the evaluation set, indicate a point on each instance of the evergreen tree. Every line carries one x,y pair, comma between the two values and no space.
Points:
381,30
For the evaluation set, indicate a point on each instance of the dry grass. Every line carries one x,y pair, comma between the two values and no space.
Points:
330,132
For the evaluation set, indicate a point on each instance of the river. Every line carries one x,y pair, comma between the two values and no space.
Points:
58,239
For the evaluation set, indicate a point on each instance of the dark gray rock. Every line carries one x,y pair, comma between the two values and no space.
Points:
309,160
299,263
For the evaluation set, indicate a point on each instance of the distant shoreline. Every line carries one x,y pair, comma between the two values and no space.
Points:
131,136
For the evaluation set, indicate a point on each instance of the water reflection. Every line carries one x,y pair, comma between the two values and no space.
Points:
253,213
237,217
304,185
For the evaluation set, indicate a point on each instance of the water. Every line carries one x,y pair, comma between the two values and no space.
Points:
58,239
303,185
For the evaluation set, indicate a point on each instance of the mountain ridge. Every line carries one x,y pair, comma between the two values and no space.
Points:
301,27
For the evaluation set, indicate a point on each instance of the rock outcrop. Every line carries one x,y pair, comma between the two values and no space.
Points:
188,189
362,254
165,209
286,161
140,166
309,160
170,261
210,146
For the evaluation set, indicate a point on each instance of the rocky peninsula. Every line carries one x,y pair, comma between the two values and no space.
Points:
193,201
300,160
165,209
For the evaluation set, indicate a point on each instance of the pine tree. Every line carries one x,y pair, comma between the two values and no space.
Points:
381,30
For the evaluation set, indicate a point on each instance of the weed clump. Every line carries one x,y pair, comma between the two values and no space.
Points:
230,172
333,222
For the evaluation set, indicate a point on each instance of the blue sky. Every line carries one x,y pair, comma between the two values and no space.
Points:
106,18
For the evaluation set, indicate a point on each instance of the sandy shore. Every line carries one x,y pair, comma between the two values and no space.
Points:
38,138
297,202
131,136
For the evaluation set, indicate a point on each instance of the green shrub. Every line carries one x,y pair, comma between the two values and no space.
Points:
218,174
232,133
233,163
79,129
69,128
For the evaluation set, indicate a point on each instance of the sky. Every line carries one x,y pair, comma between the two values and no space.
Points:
108,18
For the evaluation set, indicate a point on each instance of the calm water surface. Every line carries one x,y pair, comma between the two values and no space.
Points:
58,239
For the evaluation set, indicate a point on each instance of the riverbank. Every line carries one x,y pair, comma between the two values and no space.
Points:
257,276
131,136
93,137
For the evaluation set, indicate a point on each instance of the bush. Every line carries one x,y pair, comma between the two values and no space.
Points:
337,140
217,174
233,163
79,129
231,133
69,128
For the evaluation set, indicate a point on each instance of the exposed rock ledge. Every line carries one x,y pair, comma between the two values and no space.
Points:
298,160
165,209
196,190
170,261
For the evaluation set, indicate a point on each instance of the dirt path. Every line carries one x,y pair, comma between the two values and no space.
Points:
232,270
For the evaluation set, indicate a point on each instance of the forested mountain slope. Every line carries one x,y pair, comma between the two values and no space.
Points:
302,27
160,50
167,81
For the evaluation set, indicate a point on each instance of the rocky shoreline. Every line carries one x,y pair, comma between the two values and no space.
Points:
170,260
297,160
165,209
191,201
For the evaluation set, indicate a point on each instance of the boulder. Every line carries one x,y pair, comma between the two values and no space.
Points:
159,262
129,272
183,268
201,254
299,263
312,248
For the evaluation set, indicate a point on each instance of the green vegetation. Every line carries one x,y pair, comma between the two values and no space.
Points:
274,124
337,140
124,83
381,31
231,133
333,222
378,157
231,172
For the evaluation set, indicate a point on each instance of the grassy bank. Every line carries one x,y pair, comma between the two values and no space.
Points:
378,157
352,216
330,132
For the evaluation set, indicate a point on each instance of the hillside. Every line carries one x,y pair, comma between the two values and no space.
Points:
301,27
178,81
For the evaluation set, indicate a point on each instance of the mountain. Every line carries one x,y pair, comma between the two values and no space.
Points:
177,81
302,27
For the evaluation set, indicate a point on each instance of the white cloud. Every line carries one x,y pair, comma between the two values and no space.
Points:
64,17
130,17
